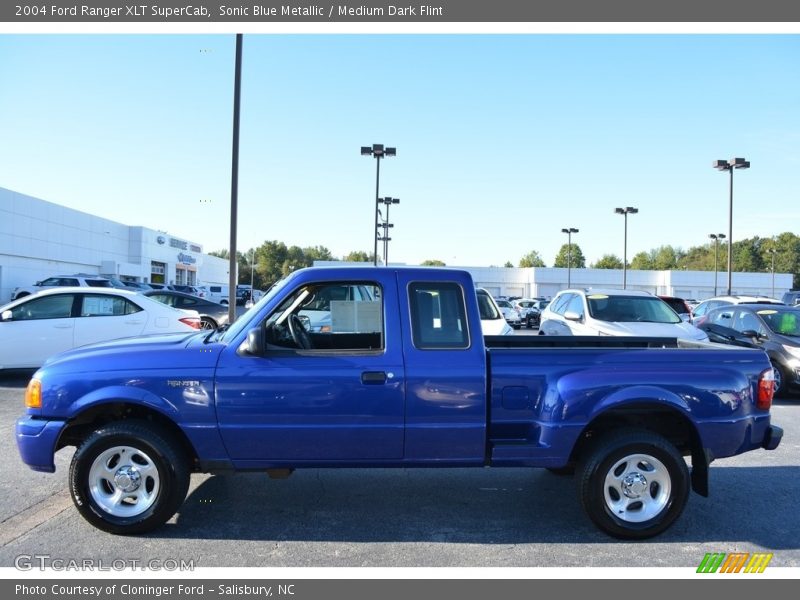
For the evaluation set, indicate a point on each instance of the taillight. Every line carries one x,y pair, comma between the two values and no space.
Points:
766,389
192,322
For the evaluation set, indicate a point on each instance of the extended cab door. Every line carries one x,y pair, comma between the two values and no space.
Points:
446,410
341,399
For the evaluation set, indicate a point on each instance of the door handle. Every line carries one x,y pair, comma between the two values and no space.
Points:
373,377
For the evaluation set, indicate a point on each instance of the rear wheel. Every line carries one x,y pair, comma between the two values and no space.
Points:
634,484
129,477
207,323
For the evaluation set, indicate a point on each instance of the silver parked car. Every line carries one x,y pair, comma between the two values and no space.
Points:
614,312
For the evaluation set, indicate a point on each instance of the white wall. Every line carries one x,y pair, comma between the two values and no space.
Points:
39,239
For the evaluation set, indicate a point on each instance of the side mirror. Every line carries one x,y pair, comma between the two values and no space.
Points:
572,316
6,315
255,345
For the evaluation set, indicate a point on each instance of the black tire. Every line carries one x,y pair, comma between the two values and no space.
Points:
663,496
129,441
207,323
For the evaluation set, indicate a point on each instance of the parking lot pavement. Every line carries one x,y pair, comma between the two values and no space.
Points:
406,517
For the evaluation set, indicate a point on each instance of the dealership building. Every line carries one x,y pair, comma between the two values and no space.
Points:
40,239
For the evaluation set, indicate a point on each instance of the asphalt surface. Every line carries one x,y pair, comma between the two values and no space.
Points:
406,517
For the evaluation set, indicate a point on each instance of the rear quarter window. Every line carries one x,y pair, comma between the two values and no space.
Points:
438,315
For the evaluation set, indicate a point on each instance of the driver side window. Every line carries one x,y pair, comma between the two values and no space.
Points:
335,316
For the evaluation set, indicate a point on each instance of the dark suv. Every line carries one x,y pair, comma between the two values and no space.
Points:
773,328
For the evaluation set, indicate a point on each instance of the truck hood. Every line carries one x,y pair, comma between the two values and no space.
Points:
159,351
678,330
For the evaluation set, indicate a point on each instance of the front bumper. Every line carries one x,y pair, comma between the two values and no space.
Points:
36,441
772,438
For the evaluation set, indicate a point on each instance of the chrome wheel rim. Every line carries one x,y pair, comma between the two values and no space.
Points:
206,324
637,488
124,481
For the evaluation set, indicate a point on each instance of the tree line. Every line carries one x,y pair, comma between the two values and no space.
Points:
274,260
752,255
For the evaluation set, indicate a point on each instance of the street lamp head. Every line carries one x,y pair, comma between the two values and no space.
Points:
721,236
712,236
631,210
573,230
739,163
393,152
619,211
720,165
565,230
366,151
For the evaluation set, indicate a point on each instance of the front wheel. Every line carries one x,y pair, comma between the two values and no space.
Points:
129,477
634,484
780,379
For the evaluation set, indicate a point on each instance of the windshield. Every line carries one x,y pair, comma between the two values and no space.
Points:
784,322
629,309
244,321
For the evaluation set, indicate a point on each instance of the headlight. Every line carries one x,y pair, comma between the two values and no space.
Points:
793,351
33,394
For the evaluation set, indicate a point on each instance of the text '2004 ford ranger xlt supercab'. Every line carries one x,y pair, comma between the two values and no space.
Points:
401,377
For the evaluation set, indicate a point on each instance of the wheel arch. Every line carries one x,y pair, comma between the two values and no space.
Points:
666,420
84,423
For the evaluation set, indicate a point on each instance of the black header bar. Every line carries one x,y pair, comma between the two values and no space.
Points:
381,11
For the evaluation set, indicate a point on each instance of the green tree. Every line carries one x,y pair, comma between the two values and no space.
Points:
224,253
317,253
666,258
644,261
608,261
432,263
531,259
508,264
567,257
359,256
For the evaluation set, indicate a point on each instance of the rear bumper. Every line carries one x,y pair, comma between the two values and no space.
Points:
772,438
36,441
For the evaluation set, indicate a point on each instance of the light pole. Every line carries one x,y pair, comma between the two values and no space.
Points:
569,231
386,225
716,237
628,210
730,165
773,252
378,151
252,263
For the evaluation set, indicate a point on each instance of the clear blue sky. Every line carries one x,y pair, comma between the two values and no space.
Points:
502,140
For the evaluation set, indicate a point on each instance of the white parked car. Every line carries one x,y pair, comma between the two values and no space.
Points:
510,313
82,280
700,311
614,312
492,320
40,325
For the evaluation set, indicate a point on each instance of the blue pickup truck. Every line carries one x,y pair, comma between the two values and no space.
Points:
403,378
